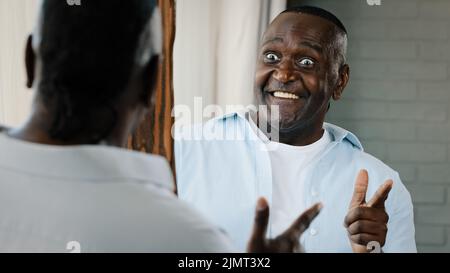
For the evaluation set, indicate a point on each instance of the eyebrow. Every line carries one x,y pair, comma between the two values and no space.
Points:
273,40
314,46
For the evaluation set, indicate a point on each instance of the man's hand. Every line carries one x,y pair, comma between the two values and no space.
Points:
367,222
287,242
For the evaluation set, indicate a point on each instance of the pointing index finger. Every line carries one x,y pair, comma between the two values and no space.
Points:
381,195
302,223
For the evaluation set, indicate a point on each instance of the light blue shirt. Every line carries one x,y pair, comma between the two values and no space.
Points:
223,168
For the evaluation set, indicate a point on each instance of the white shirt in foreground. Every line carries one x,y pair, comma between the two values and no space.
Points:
106,199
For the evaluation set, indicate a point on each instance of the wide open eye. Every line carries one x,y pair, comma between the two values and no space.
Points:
271,58
306,62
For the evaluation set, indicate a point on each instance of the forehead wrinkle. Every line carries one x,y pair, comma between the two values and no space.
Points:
303,35
298,43
313,45
272,40
303,29
310,26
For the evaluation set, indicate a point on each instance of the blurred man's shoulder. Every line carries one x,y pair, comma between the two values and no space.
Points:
188,229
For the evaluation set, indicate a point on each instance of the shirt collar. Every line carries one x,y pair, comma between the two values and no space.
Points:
92,163
339,134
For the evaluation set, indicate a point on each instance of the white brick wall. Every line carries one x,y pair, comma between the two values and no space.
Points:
398,100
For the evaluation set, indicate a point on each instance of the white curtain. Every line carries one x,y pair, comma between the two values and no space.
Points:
215,49
16,22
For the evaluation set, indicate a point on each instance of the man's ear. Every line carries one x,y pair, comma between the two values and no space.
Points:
30,61
344,76
150,78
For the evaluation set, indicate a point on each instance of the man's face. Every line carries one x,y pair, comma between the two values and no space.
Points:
296,68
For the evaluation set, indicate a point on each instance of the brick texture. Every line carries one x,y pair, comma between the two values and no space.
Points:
398,99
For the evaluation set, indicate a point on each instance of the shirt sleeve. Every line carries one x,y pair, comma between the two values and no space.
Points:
401,231
199,234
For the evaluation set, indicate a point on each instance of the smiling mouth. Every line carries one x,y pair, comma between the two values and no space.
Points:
284,95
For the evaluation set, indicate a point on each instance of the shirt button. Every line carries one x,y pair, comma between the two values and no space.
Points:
314,193
313,232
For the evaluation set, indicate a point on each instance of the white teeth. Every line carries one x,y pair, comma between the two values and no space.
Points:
285,95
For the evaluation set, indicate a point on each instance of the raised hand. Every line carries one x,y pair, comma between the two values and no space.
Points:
289,241
367,222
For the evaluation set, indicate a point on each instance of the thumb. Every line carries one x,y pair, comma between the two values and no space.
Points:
258,237
359,193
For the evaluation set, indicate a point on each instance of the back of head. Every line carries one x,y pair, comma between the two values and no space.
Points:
87,54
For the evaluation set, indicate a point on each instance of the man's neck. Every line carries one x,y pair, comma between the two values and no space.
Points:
303,136
34,131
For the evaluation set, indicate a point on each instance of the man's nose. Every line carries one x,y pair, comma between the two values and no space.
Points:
285,73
